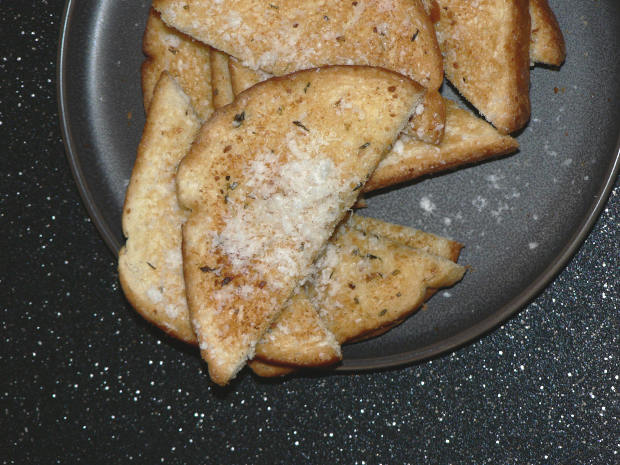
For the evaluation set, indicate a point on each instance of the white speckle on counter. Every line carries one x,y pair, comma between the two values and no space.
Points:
427,205
532,245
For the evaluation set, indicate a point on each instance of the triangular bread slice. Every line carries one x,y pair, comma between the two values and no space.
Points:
547,42
186,59
150,268
267,181
426,124
220,79
394,283
150,264
486,55
286,35
467,140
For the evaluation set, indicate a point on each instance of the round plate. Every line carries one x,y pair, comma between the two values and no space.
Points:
520,217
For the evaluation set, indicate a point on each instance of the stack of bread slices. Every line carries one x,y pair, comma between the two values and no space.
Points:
266,122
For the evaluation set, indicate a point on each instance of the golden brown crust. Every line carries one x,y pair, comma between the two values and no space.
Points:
393,34
547,42
242,77
428,123
486,56
149,263
187,60
268,370
467,140
220,79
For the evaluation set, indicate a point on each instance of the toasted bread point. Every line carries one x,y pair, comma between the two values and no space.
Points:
220,79
242,77
185,59
150,269
267,181
414,238
486,55
392,34
547,43
429,120
467,140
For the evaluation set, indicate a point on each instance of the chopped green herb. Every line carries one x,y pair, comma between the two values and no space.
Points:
398,294
306,88
383,312
372,257
415,36
395,272
233,185
262,284
207,269
351,285
238,119
300,124
151,265
226,280
356,300
365,145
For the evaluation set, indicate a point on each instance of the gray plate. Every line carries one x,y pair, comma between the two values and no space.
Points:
521,217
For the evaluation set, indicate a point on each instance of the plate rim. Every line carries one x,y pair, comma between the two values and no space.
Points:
474,332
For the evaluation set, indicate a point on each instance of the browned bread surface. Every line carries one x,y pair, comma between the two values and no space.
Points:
486,55
150,269
187,60
267,181
220,79
428,123
289,35
467,139
393,284
547,43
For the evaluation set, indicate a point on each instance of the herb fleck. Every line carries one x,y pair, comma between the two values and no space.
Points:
415,35
364,145
356,300
238,119
207,269
275,7
395,272
306,88
262,284
226,280
351,286
300,124
383,312
372,257
233,185
149,264
359,186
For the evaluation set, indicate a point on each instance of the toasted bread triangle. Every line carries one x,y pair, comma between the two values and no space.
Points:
186,59
289,35
547,43
267,181
150,268
467,140
486,55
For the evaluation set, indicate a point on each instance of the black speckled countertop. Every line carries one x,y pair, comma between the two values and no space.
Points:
543,388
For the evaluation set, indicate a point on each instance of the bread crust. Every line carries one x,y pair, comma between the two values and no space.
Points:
547,42
486,56
220,79
186,59
393,34
467,140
